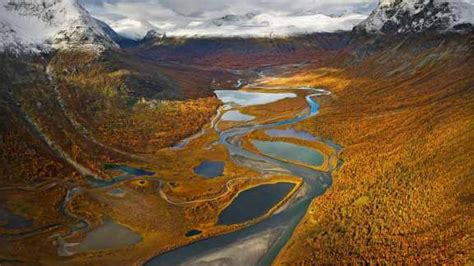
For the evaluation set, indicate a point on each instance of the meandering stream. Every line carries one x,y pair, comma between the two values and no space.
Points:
265,239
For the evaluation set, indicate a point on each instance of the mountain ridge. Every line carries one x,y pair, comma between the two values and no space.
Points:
415,16
32,27
42,26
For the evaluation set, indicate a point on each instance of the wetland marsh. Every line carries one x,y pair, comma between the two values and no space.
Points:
251,204
225,194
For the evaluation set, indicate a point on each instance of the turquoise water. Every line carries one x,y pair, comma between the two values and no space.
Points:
254,202
289,151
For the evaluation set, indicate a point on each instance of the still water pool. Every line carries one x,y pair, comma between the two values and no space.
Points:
254,202
209,169
290,152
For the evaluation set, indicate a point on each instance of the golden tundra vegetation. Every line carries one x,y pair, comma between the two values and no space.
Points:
48,137
123,121
28,158
404,192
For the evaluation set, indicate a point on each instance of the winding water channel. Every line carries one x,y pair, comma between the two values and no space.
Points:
257,244
262,241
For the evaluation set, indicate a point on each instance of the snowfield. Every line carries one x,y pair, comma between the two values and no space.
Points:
35,26
29,26
267,25
418,15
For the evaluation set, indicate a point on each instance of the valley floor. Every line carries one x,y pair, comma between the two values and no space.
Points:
404,117
404,192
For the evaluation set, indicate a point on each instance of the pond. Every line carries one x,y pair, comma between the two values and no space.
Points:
128,170
193,232
117,192
250,98
254,202
209,169
10,221
290,152
236,116
127,173
110,235
290,133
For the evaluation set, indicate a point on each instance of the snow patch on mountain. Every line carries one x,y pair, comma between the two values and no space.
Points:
33,26
246,25
267,25
233,19
132,28
408,16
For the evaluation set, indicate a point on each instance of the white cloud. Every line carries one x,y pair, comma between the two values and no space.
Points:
193,17
272,25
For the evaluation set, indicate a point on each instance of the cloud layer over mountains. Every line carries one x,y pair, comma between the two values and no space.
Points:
229,17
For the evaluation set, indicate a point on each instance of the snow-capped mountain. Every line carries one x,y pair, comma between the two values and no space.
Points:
152,35
409,16
234,19
267,25
121,40
32,26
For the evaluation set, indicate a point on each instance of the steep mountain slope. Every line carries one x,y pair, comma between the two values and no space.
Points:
410,16
122,41
39,26
242,52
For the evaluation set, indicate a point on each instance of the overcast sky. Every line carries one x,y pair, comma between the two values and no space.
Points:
134,18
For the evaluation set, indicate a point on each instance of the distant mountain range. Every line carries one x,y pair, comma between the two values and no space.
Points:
268,25
32,27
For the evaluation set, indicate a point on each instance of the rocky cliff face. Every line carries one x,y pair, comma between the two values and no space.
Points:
410,16
42,25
